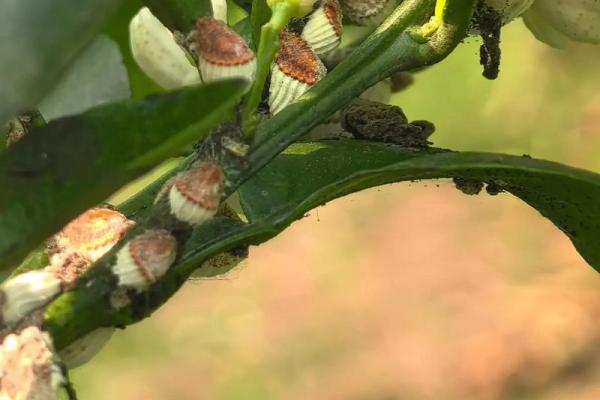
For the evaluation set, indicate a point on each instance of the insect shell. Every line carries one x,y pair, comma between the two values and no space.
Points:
83,349
196,193
367,12
323,30
222,52
295,70
145,259
157,53
28,367
25,293
92,234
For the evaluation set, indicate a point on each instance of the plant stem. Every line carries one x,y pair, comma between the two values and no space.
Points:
389,49
440,7
267,47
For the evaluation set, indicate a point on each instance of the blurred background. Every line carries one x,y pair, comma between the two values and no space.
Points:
408,291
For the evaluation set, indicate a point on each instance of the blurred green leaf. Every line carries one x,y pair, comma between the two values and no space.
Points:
58,171
38,40
308,175
97,76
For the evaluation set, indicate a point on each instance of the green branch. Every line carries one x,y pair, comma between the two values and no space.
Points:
388,49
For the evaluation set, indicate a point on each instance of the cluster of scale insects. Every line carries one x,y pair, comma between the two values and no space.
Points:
189,199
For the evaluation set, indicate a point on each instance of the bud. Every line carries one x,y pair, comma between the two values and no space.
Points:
157,53
295,70
323,31
145,259
219,8
222,52
25,293
84,349
508,9
555,23
300,7
196,193
28,367
368,12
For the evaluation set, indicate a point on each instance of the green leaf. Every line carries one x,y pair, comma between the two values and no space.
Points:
38,40
58,171
308,175
97,77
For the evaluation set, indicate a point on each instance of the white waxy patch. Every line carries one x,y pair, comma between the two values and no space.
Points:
284,90
157,53
368,12
557,22
296,69
145,259
212,72
187,211
222,52
28,367
26,293
196,193
84,349
323,31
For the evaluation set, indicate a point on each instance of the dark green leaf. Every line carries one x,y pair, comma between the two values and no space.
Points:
72,163
38,40
308,175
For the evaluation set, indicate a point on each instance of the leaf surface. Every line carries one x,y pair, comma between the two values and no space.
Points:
310,174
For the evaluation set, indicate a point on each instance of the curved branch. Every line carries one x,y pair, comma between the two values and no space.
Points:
390,48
